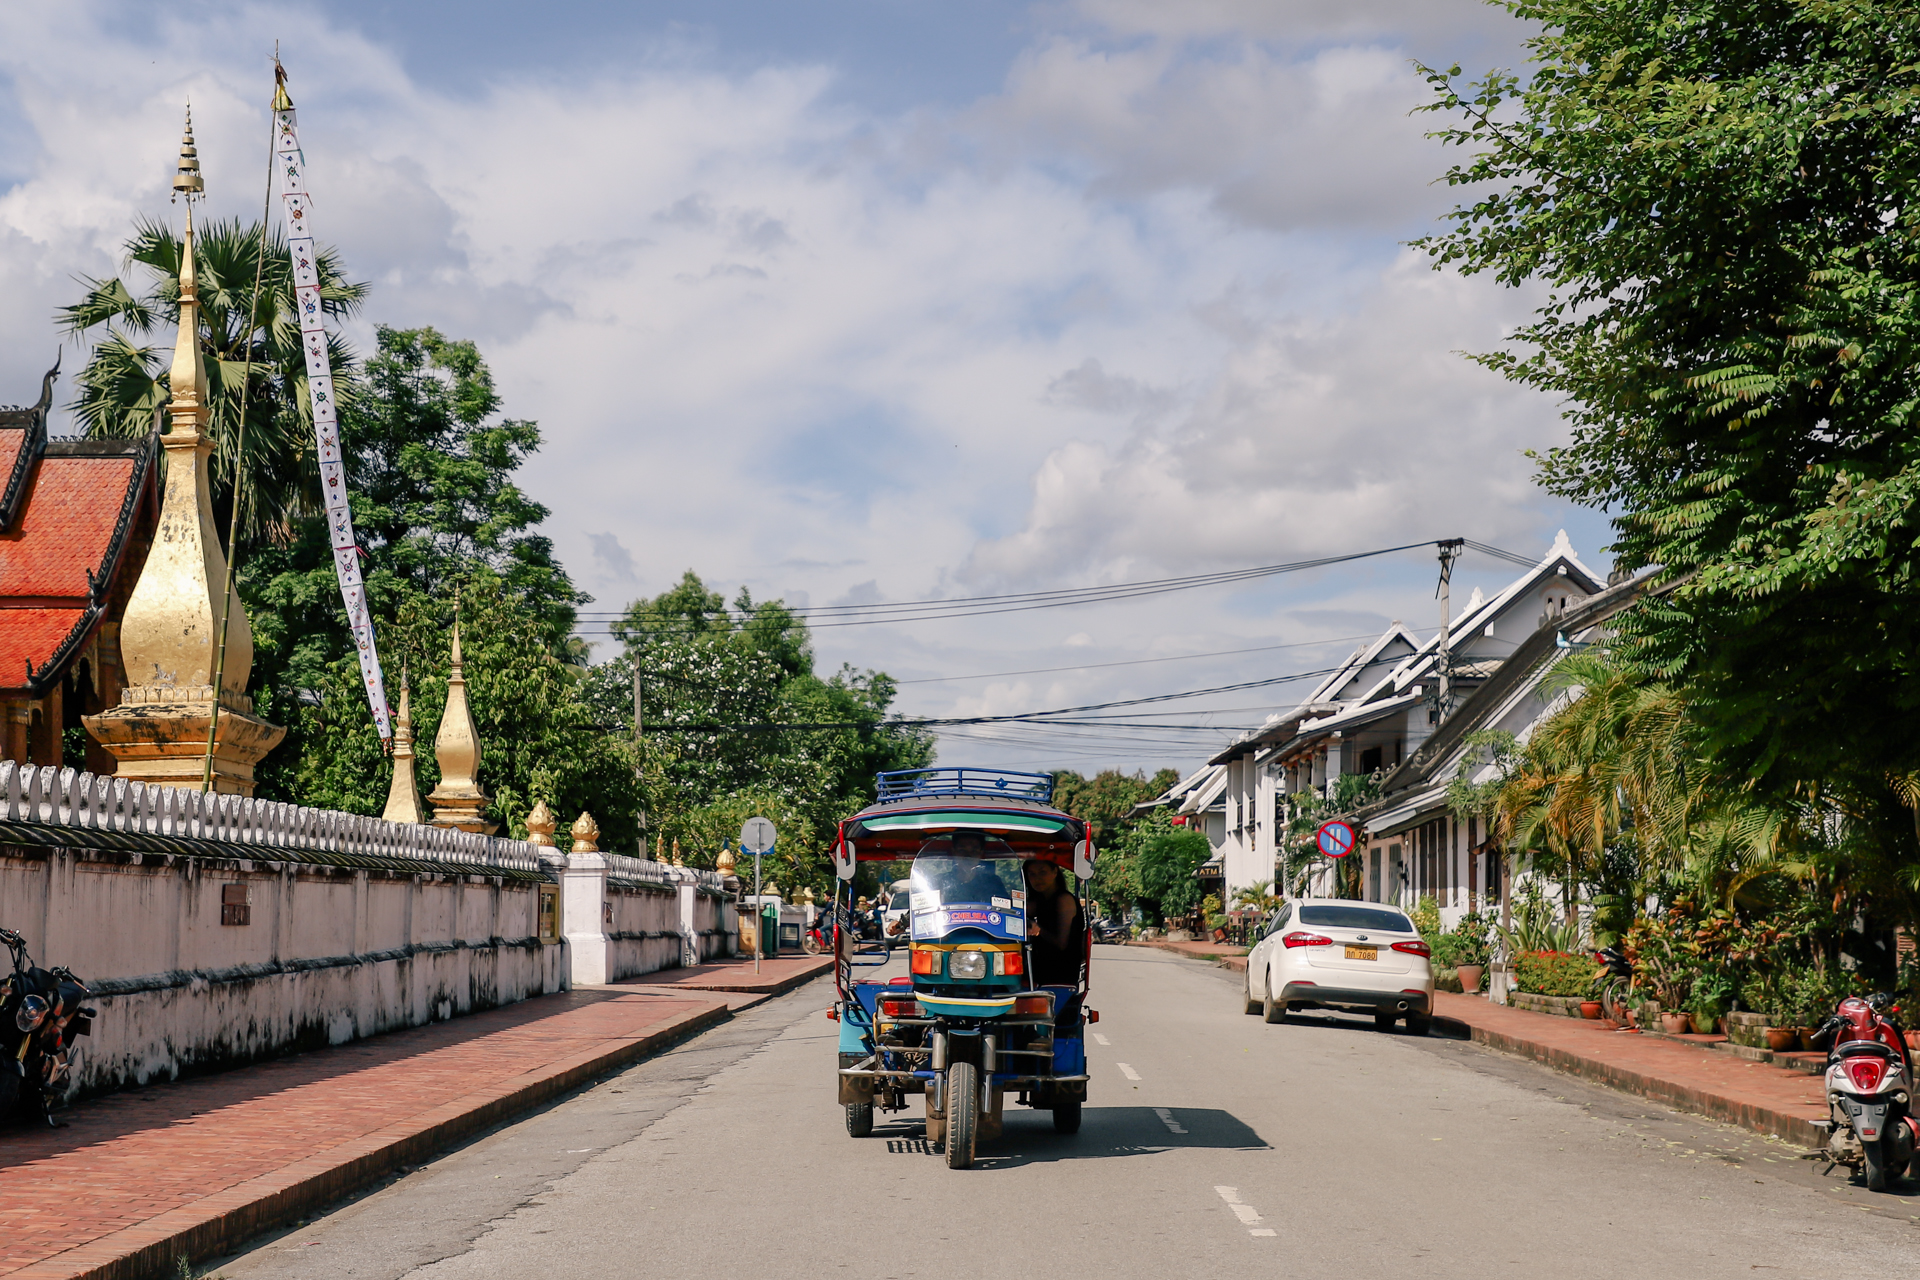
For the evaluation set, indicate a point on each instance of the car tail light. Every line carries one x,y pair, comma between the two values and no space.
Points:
923,960
1299,939
1867,1073
900,1008
1009,962
1040,1005
1414,948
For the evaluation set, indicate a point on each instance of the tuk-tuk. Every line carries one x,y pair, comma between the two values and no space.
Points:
972,1020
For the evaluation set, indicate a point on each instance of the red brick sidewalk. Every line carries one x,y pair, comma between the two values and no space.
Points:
1722,1086
140,1178
777,974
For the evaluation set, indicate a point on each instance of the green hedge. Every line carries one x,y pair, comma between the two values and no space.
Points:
1554,973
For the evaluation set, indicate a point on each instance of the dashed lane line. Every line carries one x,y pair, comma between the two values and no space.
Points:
1166,1118
1247,1214
1127,1071
1103,1040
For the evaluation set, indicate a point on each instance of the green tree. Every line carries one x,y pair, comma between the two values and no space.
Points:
1715,197
733,711
125,381
1108,799
1165,858
539,740
435,507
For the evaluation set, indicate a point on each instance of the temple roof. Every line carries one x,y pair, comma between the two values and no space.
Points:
67,509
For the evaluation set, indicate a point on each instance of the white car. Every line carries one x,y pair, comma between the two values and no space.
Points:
1340,954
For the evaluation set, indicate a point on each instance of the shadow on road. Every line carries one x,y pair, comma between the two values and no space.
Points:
1338,1020
1105,1133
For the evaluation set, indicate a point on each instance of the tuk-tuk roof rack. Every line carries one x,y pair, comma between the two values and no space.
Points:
901,784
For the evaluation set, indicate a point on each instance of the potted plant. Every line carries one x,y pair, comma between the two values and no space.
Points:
1664,972
1712,997
1473,946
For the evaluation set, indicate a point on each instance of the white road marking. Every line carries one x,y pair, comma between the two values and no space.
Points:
1103,1040
1166,1118
1127,1071
1247,1214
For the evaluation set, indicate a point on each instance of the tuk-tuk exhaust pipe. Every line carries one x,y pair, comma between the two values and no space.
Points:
939,1051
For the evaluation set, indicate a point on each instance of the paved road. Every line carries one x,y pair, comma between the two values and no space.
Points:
1211,1142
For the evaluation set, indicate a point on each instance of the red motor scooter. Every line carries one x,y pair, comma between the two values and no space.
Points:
1869,1091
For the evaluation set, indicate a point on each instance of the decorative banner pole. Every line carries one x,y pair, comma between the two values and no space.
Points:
290,170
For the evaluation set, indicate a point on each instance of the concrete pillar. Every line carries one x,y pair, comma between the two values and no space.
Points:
583,899
689,921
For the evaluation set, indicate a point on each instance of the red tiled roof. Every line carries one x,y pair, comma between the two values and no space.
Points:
32,635
66,528
11,441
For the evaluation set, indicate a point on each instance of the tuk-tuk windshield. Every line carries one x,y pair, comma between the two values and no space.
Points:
940,882
982,894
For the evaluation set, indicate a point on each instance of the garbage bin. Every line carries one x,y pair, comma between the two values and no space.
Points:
769,928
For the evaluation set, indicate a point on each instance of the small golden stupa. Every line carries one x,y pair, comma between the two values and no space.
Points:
458,800
403,793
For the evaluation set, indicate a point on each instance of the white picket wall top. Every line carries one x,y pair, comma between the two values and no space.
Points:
72,798
628,867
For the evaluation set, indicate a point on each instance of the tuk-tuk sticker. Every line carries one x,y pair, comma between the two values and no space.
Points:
1019,897
1003,904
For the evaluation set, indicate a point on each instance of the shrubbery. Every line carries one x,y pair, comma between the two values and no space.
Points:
1554,973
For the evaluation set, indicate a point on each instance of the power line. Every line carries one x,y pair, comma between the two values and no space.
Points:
1133,662
962,606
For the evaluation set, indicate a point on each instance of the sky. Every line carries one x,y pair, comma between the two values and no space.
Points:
884,300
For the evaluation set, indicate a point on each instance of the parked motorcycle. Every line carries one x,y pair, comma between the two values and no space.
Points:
1869,1090
42,1014
1111,930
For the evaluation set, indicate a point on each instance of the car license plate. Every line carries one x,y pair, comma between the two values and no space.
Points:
1362,953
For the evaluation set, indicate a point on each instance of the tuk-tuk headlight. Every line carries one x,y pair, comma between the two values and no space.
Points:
967,964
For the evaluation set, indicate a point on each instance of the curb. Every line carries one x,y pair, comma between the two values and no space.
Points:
229,1218
1751,1116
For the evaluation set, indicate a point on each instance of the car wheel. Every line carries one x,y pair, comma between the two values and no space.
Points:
1418,1024
1272,1010
859,1119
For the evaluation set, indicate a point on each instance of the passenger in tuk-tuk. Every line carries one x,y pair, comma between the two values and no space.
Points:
1054,926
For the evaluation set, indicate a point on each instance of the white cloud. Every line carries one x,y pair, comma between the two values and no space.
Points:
1134,314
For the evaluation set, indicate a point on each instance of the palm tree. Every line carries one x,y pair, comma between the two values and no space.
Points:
124,382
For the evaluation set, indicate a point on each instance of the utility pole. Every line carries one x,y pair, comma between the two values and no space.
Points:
638,774
1449,552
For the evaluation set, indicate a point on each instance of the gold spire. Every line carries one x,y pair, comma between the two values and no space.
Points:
586,834
458,800
403,795
170,629
724,864
540,825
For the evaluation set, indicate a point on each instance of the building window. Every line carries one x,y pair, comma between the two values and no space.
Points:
1370,760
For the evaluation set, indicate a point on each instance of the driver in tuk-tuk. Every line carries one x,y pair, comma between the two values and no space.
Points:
972,880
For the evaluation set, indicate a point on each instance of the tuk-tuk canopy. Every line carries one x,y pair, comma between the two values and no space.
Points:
919,804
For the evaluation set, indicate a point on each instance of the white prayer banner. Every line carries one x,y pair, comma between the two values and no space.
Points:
290,170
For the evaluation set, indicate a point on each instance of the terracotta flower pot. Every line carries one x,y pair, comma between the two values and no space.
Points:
1590,1010
1782,1039
1674,1024
1470,975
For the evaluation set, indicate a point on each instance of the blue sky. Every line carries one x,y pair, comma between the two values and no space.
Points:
881,300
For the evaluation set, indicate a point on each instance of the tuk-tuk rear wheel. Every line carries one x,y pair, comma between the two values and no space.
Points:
1066,1117
963,1113
859,1119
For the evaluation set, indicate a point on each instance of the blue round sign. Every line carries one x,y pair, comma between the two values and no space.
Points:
1335,838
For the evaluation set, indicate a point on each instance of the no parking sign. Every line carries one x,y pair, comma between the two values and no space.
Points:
1335,838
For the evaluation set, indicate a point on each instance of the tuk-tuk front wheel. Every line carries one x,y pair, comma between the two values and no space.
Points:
963,1113
1066,1117
859,1119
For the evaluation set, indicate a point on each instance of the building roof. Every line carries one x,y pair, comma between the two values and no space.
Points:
67,510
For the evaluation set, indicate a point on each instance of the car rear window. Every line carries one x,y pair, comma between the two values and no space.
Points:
1337,917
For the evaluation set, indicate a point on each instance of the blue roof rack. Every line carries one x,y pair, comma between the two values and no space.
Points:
902,783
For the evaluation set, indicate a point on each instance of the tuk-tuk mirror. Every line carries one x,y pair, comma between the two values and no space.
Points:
1083,858
843,859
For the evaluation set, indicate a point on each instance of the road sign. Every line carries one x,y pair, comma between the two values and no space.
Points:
756,836
1335,838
